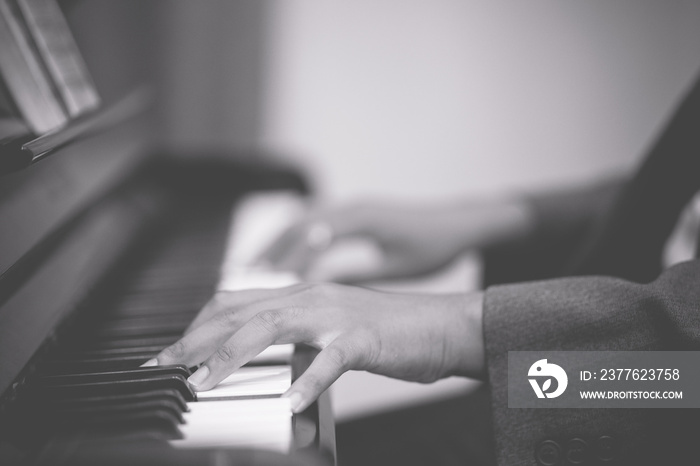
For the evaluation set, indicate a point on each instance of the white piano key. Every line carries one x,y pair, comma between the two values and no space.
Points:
259,423
244,407
251,381
275,354
245,278
257,221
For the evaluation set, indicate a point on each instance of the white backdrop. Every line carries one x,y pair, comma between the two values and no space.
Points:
414,98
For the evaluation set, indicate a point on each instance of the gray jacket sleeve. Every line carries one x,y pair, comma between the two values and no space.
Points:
590,314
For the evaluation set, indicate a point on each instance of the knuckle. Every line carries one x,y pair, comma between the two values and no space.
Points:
294,311
313,384
321,293
224,354
270,321
339,356
290,237
219,298
305,288
226,318
218,301
175,351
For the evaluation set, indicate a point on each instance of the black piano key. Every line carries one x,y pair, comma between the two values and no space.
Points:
149,309
194,287
38,415
103,364
161,341
172,277
146,308
188,291
173,396
105,353
88,413
165,297
114,376
158,420
148,320
74,391
118,332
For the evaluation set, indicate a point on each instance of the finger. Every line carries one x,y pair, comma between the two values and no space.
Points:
199,344
297,259
210,309
290,252
336,359
280,247
388,269
203,341
264,329
226,300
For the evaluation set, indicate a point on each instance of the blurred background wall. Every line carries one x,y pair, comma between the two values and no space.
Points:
408,98
405,98
212,81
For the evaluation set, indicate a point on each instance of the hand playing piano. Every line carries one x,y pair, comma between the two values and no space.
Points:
417,337
413,240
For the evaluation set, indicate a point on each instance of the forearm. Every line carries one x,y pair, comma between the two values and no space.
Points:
558,213
561,221
484,224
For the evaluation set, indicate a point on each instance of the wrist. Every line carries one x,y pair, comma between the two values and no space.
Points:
465,336
493,222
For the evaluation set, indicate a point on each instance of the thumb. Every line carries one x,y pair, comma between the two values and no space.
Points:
387,269
329,364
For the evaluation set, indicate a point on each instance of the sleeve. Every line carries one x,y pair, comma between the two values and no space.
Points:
591,314
562,221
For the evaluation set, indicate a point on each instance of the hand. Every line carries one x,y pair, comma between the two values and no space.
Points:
417,337
413,240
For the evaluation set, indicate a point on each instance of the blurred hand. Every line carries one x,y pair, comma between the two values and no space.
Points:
413,240
412,337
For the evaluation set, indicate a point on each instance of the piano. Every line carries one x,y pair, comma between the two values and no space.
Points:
108,250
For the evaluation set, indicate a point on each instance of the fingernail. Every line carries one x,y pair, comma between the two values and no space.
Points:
150,362
295,401
199,376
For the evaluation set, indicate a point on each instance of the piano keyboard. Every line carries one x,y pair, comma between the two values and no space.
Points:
92,382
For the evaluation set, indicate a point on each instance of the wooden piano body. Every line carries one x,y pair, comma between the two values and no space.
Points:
97,233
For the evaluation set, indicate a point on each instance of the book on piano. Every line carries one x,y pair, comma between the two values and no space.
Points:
41,65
